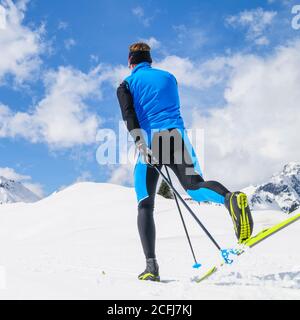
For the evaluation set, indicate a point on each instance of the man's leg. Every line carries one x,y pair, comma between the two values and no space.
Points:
187,169
198,189
175,150
146,179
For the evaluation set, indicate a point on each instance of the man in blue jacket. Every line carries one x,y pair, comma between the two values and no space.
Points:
150,106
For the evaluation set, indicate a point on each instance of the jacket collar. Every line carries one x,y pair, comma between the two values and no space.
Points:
140,66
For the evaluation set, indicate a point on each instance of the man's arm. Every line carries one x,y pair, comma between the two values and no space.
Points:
128,112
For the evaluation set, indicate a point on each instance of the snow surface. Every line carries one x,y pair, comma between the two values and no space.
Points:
82,243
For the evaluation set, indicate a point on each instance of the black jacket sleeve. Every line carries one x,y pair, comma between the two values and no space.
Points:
128,112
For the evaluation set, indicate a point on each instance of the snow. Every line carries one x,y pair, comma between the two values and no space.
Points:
282,192
82,243
12,191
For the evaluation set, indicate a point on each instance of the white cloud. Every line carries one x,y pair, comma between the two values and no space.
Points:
11,174
152,42
256,21
94,58
21,4
2,18
122,174
138,11
62,116
193,74
262,41
284,2
63,25
62,119
69,43
189,73
20,46
85,176
255,133
192,38
115,75
140,14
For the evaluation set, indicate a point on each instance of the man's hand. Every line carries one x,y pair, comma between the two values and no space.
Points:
146,154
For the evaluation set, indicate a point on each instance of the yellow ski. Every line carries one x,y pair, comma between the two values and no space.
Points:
251,242
207,274
269,232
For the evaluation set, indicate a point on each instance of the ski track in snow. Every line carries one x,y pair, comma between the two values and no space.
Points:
82,243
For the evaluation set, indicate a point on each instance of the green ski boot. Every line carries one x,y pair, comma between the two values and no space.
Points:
152,271
238,207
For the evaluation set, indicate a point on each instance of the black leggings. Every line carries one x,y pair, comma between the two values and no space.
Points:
146,178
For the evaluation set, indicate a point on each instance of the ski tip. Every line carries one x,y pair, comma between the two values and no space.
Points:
197,265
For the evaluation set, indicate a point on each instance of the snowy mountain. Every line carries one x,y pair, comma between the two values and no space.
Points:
83,243
12,191
281,192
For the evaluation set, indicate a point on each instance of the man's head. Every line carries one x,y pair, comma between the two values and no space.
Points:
139,52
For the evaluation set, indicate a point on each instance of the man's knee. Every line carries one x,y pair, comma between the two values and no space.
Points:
194,182
147,203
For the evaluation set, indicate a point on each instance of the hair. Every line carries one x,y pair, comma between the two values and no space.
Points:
139,46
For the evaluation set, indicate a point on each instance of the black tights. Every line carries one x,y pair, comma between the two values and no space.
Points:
146,223
191,181
146,226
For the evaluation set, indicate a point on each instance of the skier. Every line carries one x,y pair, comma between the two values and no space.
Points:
150,106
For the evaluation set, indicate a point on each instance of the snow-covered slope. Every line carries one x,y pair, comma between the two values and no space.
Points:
282,192
12,191
82,243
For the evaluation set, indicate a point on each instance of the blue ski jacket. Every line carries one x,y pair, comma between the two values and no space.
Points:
155,99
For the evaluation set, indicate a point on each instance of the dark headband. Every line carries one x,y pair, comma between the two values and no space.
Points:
137,57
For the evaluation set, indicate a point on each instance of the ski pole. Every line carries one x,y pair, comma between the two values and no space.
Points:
187,207
197,265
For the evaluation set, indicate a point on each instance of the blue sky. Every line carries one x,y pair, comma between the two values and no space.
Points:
70,38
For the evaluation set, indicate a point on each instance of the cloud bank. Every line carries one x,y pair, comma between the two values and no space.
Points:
20,45
256,22
255,132
62,118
